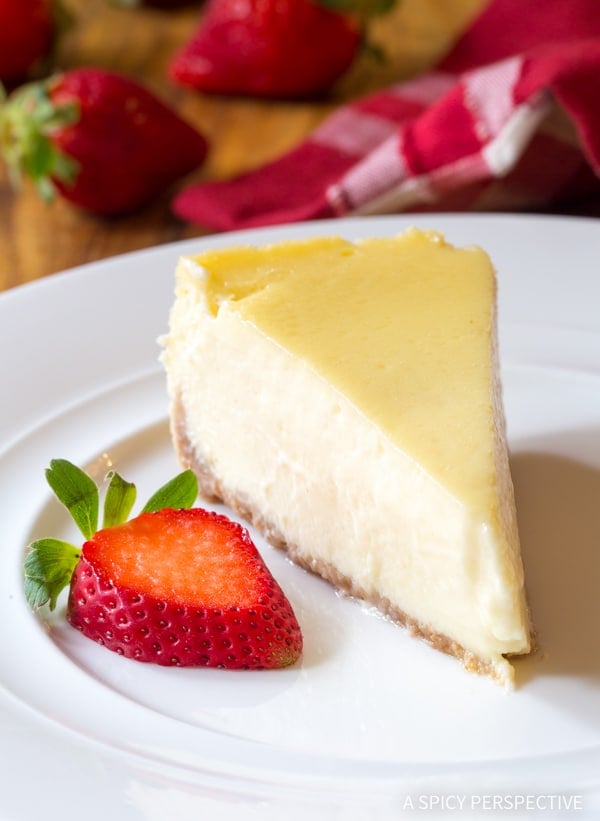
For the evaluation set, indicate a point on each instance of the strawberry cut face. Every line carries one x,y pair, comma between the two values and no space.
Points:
183,588
195,558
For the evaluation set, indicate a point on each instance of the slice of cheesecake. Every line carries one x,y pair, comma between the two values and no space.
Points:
344,397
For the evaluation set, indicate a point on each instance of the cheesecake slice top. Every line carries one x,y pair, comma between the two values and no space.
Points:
400,326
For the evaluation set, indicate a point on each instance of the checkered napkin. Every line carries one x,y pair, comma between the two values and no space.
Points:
509,119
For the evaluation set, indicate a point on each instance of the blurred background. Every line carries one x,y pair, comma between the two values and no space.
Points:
37,239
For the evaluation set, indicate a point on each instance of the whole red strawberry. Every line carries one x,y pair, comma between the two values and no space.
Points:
98,138
268,48
177,587
27,29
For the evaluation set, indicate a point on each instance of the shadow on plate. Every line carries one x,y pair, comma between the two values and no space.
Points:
558,503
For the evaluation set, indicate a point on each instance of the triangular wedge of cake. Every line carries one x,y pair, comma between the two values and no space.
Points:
345,398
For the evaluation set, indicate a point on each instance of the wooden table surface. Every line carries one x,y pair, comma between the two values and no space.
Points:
37,239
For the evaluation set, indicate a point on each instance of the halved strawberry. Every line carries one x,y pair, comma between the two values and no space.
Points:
177,587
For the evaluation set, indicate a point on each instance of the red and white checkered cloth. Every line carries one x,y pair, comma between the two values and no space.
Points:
509,119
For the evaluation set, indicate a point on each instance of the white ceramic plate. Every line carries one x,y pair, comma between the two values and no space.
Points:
371,723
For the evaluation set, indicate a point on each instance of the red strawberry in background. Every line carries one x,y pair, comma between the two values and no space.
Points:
27,30
273,48
98,138
177,587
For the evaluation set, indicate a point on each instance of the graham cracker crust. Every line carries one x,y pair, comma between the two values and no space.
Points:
212,490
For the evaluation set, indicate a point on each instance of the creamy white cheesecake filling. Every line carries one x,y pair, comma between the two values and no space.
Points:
337,489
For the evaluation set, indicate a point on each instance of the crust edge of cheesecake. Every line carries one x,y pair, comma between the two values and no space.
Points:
211,489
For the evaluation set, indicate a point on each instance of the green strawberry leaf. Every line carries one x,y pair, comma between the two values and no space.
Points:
45,188
118,501
39,159
64,168
180,492
363,9
77,492
49,566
